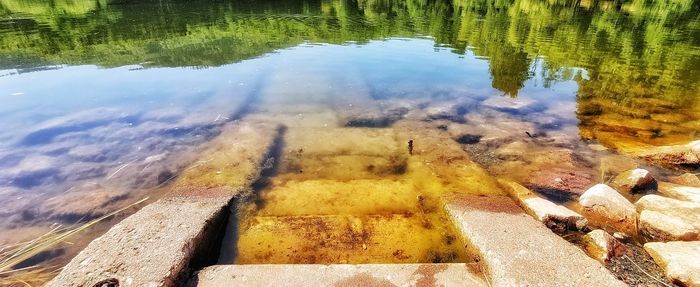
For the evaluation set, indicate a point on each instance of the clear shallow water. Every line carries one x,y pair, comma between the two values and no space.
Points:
105,101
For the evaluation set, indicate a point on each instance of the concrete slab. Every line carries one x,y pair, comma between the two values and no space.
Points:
142,250
298,165
455,274
232,160
158,245
516,250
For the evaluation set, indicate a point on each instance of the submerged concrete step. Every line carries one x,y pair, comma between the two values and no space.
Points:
517,250
392,238
158,245
327,197
455,274
301,166
342,141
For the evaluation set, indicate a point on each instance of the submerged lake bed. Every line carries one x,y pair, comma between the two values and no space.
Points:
382,112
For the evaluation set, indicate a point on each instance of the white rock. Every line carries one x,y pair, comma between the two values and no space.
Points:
680,260
554,216
687,193
686,210
605,207
657,226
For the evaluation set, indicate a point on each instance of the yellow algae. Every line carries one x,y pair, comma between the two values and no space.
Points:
356,195
350,197
340,167
342,141
446,159
347,239
228,159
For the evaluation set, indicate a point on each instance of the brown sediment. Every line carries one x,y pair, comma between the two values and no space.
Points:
364,280
427,273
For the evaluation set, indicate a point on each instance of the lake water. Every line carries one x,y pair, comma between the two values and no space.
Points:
105,102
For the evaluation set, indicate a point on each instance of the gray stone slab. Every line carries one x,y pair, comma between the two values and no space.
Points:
158,245
517,250
456,274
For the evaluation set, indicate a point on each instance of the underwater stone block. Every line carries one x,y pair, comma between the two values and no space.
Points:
233,159
687,193
159,244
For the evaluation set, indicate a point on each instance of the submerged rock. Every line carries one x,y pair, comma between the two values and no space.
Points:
83,203
519,105
687,179
678,259
560,184
554,216
469,139
452,111
605,207
656,226
602,246
634,180
683,155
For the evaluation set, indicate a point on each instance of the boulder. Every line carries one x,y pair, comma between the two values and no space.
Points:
602,246
678,259
687,179
634,180
452,111
560,184
605,207
686,155
687,193
554,216
686,210
656,226
519,105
